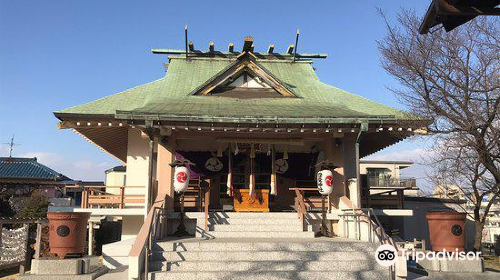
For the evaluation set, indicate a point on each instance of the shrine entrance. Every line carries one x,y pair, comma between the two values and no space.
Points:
250,175
259,170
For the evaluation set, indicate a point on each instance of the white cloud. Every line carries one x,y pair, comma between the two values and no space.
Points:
45,158
84,169
416,155
4,151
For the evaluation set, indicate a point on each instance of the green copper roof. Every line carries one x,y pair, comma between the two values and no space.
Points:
170,96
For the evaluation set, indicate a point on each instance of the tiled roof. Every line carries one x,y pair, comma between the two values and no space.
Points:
27,168
170,96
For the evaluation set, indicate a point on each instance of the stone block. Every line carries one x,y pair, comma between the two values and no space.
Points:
462,265
90,276
55,266
432,265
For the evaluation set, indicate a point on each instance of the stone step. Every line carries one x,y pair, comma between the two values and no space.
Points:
254,244
252,221
272,275
257,234
261,256
260,227
252,215
208,266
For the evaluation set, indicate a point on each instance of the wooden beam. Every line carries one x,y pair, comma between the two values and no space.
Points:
248,43
263,54
270,49
290,49
191,46
251,48
230,48
211,47
277,141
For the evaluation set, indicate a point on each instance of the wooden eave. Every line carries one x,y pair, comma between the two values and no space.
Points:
110,136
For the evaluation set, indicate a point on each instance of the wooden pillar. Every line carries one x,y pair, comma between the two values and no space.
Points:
351,168
122,198
333,152
165,173
152,169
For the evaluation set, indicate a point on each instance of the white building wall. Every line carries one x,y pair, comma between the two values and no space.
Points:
115,178
136,175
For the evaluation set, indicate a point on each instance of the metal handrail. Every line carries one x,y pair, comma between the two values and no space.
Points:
372,218
151,239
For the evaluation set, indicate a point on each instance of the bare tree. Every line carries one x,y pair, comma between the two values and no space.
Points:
452,80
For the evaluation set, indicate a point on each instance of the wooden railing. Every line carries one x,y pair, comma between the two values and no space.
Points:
97,196
300,205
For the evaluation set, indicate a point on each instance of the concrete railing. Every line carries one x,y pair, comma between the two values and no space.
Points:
138,255
363,224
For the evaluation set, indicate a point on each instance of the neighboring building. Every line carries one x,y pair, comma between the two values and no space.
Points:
382,185
24,175
491,229
380,175
448,192
255,125
116,176
492,224
416,226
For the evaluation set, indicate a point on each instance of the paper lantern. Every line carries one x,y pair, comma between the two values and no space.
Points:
181,179
325,182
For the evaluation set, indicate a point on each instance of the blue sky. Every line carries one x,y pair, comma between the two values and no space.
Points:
57,54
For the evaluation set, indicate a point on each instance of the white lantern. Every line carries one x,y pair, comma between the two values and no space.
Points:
181,179
325,182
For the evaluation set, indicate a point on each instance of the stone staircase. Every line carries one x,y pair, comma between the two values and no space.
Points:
270,246
252,225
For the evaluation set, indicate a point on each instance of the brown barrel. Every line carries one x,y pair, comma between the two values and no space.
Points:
67,232
446,230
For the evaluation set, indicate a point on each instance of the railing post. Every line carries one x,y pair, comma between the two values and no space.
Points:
122,197
207,204
24,264
301,203
369,227
84,198
38,242
146,262
91,239
1,231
